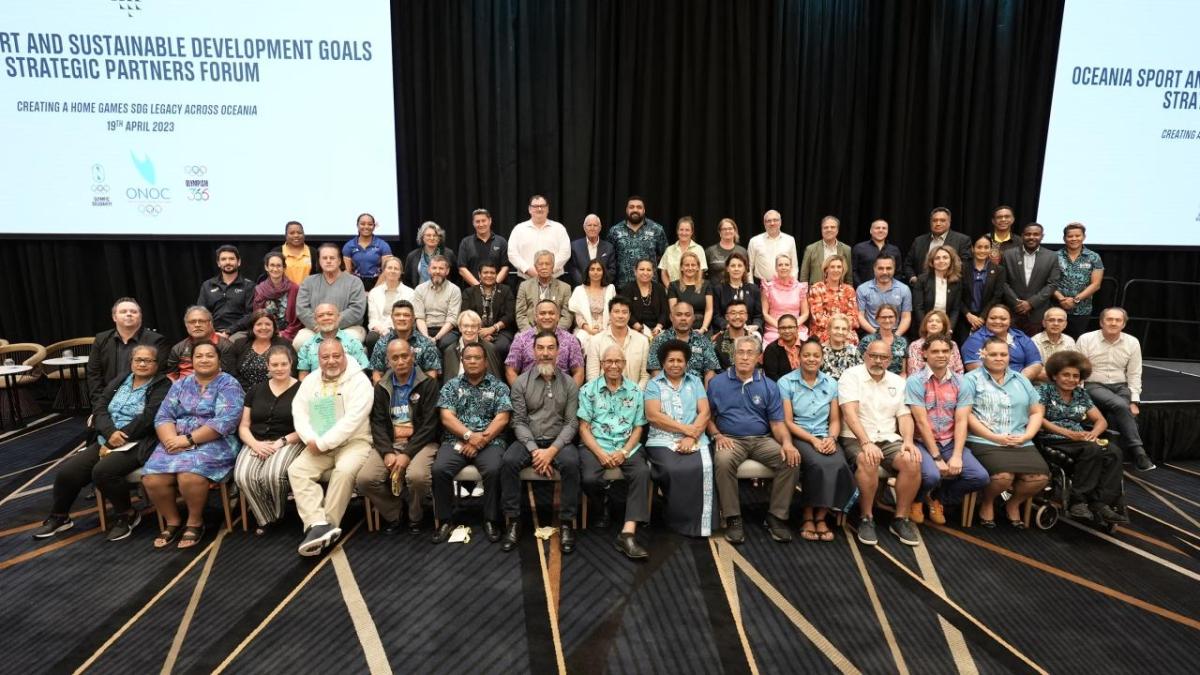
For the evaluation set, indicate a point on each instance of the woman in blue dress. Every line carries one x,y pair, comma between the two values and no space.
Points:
197,444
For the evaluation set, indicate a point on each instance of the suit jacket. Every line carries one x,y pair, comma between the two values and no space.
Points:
923,295
577,265
814,260
1042,282
102,364
993,288
914,264
527,297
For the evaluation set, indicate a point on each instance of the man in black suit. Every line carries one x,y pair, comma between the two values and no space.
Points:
1031,273
109,356
939,234
591,246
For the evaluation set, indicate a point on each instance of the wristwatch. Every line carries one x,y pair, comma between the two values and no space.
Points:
467,436
191,441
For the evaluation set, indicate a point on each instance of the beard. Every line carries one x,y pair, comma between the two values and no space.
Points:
545,369
635,218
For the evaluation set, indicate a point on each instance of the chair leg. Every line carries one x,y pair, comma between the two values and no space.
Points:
369,514
584,505
100,510
242,509
968,509
226,506
1028,511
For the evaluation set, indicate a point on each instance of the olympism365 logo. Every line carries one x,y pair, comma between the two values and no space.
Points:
149,199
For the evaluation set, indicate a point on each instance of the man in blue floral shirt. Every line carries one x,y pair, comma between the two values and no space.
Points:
636,238
704,363
425,354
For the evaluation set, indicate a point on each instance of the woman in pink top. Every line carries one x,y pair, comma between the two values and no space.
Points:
783,295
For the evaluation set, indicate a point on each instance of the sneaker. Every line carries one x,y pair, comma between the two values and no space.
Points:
1108,514
937,514
1142,461
866,532
123,526
1080,511
477,491
778,529
734,533
906,531
52,526
917,513
317,537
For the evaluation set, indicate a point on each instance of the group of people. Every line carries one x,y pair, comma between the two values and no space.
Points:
345,366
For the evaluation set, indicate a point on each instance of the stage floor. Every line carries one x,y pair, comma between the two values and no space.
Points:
1067,600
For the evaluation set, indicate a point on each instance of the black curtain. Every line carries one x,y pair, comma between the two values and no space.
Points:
705,108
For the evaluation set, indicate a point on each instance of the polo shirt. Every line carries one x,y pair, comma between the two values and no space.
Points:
613,415
473,252
744,408
871,298
810,403
938,397
1022,352
880,403
366,258
230,304
1003,408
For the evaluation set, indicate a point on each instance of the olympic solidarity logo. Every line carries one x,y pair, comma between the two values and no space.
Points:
100,189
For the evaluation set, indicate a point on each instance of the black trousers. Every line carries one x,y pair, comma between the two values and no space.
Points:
1096,476
108,474
636,473
446,466
517,457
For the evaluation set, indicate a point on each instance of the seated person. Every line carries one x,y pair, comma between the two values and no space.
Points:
229,296
611,417
948,469
747,423
437,303
703,362
124,423
935,322
589,303
197,445
475,410
878,431
495,305
839,353
735,286
1096,473
249,356
327,321
405,430
735,327
109,358
1053,339
832,295
540,288
676,445
883,289
1004,415
633,344
426,356
468,329
389,290
198,322
1023,354
276,295
649,300
521,356
330,412
269,438
545,405
783,355
812,417
782,295
885,332
1116,380
332,286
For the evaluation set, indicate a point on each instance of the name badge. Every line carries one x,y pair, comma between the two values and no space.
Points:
489,395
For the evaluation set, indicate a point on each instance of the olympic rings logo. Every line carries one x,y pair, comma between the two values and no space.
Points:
195,170
150,209
100,189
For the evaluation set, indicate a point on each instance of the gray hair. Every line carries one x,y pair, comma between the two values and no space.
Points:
430,225
197,308
541,254
470,314
1114,308
748,339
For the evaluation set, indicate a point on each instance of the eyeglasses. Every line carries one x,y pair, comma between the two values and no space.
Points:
142,362
879,357
613,362
197,322
539,206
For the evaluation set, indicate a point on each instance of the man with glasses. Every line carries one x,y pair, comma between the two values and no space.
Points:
536,234
198,322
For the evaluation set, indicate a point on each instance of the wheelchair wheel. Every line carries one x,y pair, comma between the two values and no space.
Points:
1046,516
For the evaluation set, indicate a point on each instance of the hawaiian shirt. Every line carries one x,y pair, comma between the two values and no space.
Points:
306,359
704,357
425,353
1077,275
612,415
1066,414
899,351
938,397
836,361
649,243
474,405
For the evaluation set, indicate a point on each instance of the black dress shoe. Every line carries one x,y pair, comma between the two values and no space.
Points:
492,531
566,538
392,526
414,527
512,536
627,544
442,533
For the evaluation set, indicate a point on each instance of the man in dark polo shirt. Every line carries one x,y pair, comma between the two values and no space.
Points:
229,295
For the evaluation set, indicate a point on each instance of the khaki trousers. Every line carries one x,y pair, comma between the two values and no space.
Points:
375,483
766,451
339,466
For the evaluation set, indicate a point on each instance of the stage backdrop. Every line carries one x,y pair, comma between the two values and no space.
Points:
706,108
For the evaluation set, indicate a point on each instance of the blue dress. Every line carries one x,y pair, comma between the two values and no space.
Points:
218,406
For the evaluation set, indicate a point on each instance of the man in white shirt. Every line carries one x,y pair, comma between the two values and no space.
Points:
765,247
536,234
1052,339
634,345
873,411
1116,380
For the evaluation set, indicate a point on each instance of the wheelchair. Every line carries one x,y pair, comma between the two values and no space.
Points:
1052,503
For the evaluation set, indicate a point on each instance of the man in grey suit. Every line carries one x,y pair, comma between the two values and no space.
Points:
1031,274
939,234
813,262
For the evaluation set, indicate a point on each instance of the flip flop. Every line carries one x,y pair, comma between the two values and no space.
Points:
823,531
808,531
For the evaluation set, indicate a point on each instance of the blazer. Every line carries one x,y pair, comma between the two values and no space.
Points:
914,264
1042,282
102,364
814,260
503,306
993,288
923,294
527,298
141,428
423,411
578,263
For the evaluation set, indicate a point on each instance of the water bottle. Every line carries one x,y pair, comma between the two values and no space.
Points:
68,354
9,363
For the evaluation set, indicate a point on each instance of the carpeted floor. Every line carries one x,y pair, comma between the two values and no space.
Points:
1067,600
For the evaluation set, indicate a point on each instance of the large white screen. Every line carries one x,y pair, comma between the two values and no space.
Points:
1123,152
185,118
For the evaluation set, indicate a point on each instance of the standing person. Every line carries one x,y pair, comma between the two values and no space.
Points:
229,296
112,348
299,259
1053,339
766,247
1023,355
634,345
934,323
726,246
864,253
678,449
333,286
635,239
939,286
650,309
388,290
485,247
885,319
269,440
669,265
589,303
1001,236
831,295
692,288
1031,275
814,420
249,357
543,286
276,295
783,355
431,243
537,234
939,234
781,295
735,286
364,255
1116,380
816,254
611,417
1082,275
982,287
884,289
436,304
591,247
839,353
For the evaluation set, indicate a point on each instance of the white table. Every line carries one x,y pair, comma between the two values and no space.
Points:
10,375
74,396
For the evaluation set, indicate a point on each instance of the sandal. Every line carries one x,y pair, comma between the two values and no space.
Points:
808,531
823,531
1017,524
192,534
168,534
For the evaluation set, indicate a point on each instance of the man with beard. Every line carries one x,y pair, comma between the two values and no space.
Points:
636,238
437,303
229,296
327,321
